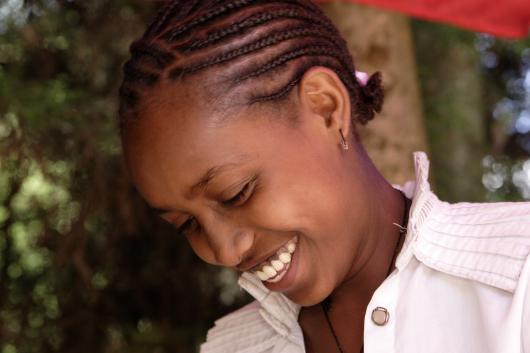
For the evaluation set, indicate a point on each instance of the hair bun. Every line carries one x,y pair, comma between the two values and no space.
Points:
372,97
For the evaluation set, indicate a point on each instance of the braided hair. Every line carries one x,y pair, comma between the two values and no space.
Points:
284,38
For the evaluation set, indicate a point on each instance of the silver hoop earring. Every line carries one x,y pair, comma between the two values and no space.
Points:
343,142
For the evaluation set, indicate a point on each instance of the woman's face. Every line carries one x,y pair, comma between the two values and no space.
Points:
268,184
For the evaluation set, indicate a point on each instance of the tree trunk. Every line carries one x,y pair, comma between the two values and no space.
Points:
452,91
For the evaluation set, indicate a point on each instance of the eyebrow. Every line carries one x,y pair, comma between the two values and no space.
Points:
206,178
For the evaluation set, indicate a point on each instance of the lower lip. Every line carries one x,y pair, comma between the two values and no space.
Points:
288,279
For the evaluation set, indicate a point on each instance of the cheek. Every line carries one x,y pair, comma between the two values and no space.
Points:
297,201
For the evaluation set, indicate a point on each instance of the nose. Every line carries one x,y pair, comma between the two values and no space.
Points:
228,239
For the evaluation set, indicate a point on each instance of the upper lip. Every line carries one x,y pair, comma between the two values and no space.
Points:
250,265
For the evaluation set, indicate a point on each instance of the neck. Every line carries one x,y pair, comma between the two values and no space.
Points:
370,266
382,240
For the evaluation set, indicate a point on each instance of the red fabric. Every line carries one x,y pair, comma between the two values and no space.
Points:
503,18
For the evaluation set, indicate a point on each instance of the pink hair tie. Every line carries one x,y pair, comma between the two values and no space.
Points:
362,77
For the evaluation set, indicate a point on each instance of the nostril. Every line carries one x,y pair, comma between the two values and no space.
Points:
229,241
230,255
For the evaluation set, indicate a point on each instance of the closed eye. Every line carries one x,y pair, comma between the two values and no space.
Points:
185,226
241,196
237,200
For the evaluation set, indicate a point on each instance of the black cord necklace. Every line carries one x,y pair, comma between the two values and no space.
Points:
326,303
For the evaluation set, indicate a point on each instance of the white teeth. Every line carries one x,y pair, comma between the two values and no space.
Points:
269,271
285,257
280,275
274,270
278,265
262,275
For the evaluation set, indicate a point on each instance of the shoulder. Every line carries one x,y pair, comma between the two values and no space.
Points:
486,242
243,330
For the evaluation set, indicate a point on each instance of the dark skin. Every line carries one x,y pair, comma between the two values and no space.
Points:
296,181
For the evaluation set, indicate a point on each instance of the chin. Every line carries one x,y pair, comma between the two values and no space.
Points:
309,297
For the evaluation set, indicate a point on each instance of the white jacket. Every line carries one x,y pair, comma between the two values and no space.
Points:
461,285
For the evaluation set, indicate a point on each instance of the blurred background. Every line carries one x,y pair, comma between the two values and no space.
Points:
86,267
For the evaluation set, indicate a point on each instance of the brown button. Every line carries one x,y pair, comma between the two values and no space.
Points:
380,316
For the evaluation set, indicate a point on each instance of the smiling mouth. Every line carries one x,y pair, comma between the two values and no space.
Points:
275,267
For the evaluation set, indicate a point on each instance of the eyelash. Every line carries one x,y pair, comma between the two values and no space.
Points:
240,195
230,202
183,228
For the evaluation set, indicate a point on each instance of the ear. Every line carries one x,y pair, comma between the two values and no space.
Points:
323,95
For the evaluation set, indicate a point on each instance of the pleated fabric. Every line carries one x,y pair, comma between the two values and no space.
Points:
486,242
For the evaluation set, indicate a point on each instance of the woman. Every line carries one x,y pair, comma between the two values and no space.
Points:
238,122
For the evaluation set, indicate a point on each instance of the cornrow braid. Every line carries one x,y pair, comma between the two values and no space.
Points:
210,15
248,23
263,42
159,57
307,50
188,38
284,91
165,15
225,10
140,76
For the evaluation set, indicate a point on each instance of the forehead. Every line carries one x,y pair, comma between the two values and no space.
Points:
174,141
